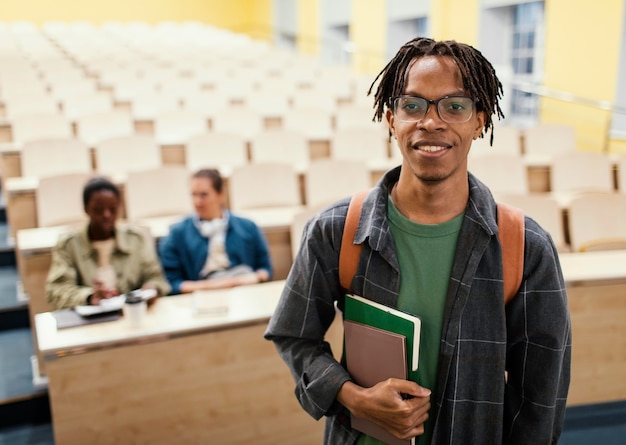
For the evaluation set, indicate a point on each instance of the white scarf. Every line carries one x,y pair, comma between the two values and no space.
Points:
215,232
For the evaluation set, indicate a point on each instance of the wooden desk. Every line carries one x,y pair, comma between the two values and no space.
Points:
209,379
596,289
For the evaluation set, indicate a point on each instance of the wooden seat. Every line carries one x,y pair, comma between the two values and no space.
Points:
94,128
263,185
125,154
50,157
596,222
281,146
581,172
502,173
223,151
544,209
549,139
31,127
178,127
59,199
328,180
157,192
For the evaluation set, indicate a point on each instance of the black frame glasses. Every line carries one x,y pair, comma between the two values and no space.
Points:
451,109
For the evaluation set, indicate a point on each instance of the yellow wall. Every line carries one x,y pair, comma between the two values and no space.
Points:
582,57
237,15
368,32
455,20
309,27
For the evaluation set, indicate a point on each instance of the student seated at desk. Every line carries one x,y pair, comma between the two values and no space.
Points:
213,248
102,259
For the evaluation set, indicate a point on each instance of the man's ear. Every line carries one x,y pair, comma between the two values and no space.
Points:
391,122
481,118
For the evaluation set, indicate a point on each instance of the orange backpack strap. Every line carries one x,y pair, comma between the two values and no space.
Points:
350,252
511,235
510,231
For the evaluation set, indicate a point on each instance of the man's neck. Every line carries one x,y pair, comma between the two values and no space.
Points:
430,203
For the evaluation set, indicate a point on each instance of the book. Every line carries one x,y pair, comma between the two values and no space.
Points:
380,343
374,355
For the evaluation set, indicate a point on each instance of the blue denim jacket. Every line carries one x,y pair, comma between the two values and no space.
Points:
184,250
530,338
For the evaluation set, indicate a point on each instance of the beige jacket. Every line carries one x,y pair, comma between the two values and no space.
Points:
75,261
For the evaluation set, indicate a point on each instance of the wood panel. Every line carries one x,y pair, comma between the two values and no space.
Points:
599,343
225,387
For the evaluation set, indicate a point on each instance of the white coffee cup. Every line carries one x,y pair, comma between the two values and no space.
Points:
135,313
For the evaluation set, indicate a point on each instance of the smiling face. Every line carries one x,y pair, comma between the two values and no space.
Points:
433,150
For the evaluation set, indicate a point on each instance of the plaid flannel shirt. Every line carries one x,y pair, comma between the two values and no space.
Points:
530,338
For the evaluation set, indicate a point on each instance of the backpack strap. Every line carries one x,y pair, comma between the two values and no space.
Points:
510,233
350,252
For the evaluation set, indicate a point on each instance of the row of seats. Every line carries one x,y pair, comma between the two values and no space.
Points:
591,221
177,127
224,150
567,172
249,187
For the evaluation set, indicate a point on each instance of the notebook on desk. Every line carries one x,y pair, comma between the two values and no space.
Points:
69,318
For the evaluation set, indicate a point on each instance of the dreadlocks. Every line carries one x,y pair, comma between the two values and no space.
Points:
479,76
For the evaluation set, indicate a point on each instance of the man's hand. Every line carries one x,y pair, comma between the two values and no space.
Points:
399,406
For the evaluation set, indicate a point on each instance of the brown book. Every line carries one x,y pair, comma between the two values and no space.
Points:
374,355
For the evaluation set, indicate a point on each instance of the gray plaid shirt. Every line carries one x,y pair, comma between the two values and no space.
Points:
480,339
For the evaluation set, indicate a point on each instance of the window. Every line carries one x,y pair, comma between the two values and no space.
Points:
526,59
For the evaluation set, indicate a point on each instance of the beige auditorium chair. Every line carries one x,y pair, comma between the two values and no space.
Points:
146,107
59,199
223,151
94,128
79,105
504,173
596,222
544,209
49,157
63,88
580,172
270,104
262,186
209,103
314,100
547,139
158,192
328,180
355,116
240,121
31,127
118,156
277,145
25,104
506,140
365,144
178,127
316,124
297,226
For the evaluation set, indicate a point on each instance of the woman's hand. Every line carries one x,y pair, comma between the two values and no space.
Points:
101,292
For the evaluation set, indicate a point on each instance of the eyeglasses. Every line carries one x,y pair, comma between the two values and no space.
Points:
451,109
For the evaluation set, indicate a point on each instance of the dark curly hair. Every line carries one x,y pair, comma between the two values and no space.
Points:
479,76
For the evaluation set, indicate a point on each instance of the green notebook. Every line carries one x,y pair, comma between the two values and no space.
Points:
362,310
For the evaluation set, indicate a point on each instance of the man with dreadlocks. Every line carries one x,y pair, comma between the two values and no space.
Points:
489,373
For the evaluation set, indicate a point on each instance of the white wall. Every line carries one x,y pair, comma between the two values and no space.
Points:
285,20
403,9
335,16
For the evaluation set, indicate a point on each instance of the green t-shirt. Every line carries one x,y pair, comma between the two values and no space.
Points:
426,254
